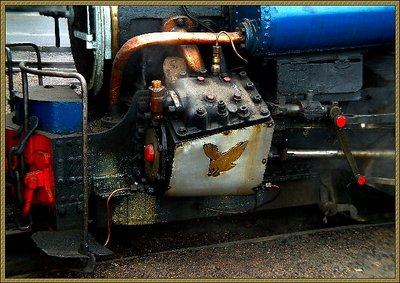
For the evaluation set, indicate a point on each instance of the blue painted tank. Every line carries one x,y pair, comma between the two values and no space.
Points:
58,108
295,29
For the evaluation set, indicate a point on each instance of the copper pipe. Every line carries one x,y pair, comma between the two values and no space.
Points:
151,39
192,57
108,213
190,53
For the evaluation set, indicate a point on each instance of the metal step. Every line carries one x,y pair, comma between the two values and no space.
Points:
66,244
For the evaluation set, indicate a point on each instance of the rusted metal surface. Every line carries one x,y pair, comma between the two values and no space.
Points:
178,22
173,68
191,165
136,209
165,38
192,57
190,53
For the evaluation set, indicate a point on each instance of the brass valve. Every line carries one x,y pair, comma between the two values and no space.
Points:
156,93
216,67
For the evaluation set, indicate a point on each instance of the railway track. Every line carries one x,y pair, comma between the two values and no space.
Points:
50,58
143,243
253,240
65,66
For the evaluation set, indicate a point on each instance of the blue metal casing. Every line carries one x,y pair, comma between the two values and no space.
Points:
58,108
295,29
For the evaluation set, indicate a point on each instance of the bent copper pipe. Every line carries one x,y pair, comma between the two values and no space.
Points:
151,39
192,57
190,53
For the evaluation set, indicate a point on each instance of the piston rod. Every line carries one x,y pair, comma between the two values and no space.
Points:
324,154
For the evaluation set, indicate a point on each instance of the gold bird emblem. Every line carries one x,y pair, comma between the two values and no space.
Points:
220,162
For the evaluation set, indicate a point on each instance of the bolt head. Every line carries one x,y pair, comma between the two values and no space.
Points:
232,109
249,85
61,210
180,22
182,130
210,97
257,98
264,111
243,109
227,79
200,111
237,96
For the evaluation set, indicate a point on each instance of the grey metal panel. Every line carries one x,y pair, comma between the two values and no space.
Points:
322,73
190,167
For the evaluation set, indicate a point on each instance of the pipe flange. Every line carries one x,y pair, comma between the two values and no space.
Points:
178,22
250,38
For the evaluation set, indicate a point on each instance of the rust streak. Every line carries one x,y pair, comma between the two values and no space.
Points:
253,151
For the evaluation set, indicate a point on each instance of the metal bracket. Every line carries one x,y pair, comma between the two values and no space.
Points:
90,44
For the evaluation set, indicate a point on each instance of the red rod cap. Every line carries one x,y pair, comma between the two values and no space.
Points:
149,153
340,121
361,180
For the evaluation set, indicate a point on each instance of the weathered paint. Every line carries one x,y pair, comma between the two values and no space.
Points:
191,165
136,209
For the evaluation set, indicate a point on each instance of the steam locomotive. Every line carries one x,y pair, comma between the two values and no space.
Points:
183,112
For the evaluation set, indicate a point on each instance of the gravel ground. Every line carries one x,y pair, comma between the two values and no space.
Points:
45,56
33,79
355,253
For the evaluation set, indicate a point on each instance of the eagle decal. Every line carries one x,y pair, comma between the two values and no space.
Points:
220,162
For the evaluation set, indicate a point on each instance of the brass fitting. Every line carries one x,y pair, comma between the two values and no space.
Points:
216,67
156,93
